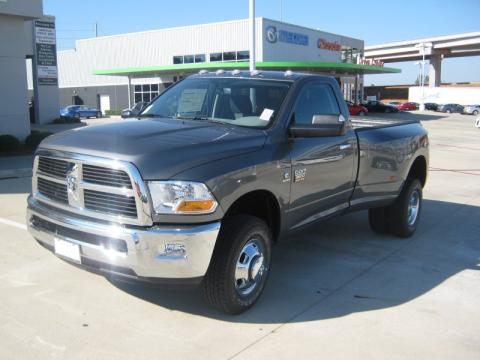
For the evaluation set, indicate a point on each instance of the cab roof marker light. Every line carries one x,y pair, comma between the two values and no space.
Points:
219,72
203,71
236,72
288,73
254,72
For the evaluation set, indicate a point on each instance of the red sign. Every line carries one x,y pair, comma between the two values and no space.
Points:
371,62
328,45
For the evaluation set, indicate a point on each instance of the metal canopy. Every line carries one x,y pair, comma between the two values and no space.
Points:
333,68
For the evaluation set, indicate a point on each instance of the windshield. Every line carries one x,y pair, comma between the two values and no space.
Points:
237,101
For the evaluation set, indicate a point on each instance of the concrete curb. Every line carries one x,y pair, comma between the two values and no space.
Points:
15,173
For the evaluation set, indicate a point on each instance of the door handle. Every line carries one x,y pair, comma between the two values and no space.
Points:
345,146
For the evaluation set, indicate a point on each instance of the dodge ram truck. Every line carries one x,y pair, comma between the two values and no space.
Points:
215,171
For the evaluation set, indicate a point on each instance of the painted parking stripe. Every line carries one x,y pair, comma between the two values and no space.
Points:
13,223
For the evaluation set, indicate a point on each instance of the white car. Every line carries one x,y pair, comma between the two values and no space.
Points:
472,109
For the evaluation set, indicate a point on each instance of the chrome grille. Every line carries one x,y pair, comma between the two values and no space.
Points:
100,188
53,167
103,176
110,203
53,190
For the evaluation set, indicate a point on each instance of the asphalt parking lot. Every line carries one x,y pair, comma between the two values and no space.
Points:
336,291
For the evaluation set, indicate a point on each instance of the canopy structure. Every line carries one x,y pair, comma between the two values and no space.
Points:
332,68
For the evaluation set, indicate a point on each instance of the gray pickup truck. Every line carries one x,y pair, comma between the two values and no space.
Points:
215,171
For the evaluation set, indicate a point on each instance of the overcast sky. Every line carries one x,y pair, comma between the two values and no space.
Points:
374,21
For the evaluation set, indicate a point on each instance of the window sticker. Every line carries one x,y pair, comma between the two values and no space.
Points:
266,114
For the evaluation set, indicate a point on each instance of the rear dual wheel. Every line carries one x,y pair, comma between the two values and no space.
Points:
400,218
240,264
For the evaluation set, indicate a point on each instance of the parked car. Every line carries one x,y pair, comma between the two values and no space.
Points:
407,106
79,111
200,189
356,109
135,110
378,106
431,106
450,108
471,109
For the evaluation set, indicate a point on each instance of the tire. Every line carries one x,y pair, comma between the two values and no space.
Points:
77,116
387,110
361,113
449,111
222,286
378,220
475,112
402,222
99,114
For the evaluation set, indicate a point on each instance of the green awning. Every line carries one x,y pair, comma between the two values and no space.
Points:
312,66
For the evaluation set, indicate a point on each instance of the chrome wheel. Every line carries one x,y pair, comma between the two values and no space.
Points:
250,268
413,207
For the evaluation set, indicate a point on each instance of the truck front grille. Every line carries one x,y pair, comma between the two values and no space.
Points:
53,167
53,190
110,203
92,188
103,176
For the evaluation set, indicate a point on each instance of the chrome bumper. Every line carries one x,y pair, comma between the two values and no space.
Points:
164,252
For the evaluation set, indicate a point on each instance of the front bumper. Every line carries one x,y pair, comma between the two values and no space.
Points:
171,252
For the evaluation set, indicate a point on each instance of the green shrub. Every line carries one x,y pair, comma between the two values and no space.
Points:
35,138
113,112
66,120
8,143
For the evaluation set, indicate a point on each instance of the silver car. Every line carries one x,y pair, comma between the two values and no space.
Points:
471,109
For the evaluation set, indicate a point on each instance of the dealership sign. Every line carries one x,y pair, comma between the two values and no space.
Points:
273,35
328,45
371,62
46,53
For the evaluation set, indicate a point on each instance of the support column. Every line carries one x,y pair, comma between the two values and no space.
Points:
129,92
435,71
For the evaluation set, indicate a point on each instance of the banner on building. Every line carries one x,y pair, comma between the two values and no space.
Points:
46,53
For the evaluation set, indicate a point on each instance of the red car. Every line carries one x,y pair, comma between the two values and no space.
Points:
407,106
356,109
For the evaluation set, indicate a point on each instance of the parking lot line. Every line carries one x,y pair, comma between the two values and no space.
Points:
13,223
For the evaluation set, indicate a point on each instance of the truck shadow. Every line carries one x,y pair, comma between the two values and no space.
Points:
333,269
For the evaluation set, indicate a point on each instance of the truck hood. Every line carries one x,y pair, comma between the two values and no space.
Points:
159,148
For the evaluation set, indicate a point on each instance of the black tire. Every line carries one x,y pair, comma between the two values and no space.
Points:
361,113
378,220
77,116
99,114
387,110
398,213
475,112
220,288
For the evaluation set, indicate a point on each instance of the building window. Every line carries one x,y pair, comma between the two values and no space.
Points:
243,55
188,59
145,92
229,56
199,58
178,59
216,57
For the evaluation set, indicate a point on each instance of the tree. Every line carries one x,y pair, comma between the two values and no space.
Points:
426,80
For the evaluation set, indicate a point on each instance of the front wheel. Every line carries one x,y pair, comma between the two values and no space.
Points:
475,112
99,114
240,264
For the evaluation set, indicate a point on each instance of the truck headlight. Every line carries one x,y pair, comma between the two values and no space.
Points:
181,197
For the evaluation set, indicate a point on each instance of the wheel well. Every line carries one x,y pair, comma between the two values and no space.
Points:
262,204
418,170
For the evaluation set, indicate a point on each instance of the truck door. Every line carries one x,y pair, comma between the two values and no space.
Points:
323,168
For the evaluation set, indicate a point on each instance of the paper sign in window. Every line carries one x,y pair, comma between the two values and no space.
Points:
266,114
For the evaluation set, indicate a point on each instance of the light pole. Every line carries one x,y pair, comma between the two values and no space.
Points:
423,48
252,33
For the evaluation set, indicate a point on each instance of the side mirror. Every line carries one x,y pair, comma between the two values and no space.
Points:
322,126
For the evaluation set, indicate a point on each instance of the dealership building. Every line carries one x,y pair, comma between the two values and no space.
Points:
114,72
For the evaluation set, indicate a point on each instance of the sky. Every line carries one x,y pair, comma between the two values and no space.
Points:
375,22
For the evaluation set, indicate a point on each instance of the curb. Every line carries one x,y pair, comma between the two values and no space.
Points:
15,173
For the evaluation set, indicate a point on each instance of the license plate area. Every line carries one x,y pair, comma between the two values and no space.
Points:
68,250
